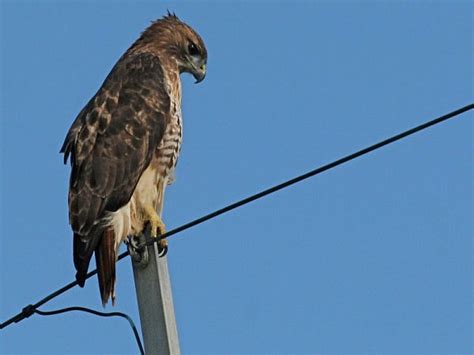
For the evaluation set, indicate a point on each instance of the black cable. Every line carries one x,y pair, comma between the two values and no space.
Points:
308,175
29,310
97,313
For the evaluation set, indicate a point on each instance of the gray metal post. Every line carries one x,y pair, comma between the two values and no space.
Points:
155,303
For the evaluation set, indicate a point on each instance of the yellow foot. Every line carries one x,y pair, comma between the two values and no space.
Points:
157,228
156,224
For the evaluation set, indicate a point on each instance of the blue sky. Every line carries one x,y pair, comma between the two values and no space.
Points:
375,256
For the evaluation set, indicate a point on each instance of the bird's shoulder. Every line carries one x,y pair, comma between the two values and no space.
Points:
132,99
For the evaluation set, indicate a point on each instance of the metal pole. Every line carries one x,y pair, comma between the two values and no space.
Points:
155,303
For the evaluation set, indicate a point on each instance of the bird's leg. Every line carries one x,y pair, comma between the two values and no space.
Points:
157,228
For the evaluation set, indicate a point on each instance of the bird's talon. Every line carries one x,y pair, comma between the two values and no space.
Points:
162,247
162,251
157,228
137,247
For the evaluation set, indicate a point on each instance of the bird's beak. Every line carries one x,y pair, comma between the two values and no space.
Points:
200,73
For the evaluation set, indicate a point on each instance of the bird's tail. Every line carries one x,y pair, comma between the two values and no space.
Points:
105,259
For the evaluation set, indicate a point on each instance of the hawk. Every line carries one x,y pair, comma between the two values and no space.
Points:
124,145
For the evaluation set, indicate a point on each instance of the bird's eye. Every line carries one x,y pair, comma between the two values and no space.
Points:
192,49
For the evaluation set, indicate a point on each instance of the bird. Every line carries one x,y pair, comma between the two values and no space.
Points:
124,145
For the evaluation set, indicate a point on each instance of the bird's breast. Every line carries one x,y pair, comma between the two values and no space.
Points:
168,150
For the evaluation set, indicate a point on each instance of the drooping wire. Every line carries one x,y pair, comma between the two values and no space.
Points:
30,309
100,314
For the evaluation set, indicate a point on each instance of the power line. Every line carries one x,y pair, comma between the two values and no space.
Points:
310,174
30,309
100,314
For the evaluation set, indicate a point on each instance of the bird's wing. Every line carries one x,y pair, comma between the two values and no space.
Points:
111,143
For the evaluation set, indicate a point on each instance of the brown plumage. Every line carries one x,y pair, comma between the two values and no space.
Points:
124,145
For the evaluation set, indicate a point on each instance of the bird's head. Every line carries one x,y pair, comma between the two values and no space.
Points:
180,42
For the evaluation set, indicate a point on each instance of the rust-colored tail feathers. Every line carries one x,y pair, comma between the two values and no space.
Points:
105,258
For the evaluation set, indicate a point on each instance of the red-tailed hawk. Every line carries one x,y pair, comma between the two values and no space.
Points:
124,145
